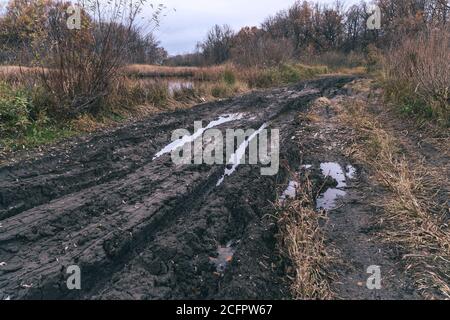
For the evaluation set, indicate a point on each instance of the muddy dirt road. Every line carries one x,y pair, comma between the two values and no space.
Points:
144,228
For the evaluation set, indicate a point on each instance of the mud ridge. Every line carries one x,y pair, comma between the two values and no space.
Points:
143,229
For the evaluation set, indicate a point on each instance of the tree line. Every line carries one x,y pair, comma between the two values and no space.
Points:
25,24
307,29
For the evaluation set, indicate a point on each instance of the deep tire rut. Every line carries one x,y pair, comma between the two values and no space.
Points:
143,229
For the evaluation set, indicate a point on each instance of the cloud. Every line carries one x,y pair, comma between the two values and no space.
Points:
182,29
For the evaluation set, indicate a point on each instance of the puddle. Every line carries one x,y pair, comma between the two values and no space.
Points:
290,192
235,159
328,200
334,170
190,138
174,86
350,172
224,256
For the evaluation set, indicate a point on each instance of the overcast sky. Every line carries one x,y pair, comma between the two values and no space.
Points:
181,30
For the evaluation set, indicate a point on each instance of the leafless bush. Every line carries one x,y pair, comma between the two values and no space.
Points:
217,45
78,66
84,64
252,47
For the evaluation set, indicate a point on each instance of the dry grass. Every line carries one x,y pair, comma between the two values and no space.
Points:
19,74
302,242
336,60
196,73
212,73
254,77
414,221
14,70
349,71
257,77
418,74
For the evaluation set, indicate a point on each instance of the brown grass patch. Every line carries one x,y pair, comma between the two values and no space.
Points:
417,75
196,73
20,75
414,221
302,242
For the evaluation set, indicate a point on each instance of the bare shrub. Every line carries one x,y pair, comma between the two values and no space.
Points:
253,47
85,63
217,45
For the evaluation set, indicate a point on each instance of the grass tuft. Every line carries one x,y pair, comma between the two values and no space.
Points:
302,242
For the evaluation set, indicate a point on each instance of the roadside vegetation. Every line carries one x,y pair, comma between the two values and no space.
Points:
69,73
415,209
417,75
23,121
301,240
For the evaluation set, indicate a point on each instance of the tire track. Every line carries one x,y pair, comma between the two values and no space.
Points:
128,222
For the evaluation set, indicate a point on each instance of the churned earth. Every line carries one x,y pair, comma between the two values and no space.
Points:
141,227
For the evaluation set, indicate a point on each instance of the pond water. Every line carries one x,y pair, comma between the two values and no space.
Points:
179,85
173,85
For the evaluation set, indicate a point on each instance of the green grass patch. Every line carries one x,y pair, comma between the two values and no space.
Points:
229,77
36,135
407,101
285,74
23,120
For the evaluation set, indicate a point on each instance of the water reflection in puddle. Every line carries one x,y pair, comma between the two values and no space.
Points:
351,171
224,256
290,192
175,86
190,138
236,158
334,170
327,200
